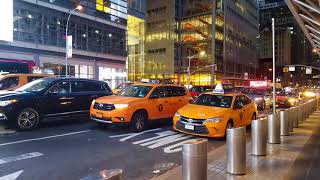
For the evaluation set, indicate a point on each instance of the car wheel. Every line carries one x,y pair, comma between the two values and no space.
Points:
27,119
139,121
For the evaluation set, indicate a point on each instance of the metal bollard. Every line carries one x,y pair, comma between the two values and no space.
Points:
194,163
273,129
295,117
304,111
284,123
236,150
112,174
300,114
259,136
290,119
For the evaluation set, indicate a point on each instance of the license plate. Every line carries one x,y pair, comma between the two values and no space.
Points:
281,102
99,115
189,127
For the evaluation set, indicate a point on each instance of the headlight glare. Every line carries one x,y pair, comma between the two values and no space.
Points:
8,102
214,119
120,106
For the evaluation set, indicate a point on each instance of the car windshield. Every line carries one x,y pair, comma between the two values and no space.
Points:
123,85
139,91
214,100
35,86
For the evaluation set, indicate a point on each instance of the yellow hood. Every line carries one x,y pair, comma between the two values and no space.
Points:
201,112
117,100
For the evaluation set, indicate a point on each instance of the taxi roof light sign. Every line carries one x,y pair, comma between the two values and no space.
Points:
218,89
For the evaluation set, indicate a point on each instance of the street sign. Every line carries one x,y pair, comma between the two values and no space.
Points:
308,70
69,46
292,68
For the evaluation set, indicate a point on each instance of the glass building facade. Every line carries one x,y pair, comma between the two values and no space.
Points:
136,39
99,37
176,30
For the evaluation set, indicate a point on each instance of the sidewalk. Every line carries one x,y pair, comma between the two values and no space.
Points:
284,161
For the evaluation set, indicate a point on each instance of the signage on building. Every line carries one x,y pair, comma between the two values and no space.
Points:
257,84
246,75
6,21
69,46
292,68
308,70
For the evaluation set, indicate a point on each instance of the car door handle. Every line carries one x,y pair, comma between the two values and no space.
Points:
94,96
180,100
166,101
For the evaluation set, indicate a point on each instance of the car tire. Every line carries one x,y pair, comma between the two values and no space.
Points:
27,119
139,121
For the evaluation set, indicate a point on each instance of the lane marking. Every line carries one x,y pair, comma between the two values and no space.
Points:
12,176
132,135
20,157
42,138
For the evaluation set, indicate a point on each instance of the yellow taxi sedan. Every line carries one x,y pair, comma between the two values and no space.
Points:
212,113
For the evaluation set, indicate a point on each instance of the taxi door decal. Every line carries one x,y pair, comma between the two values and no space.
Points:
160,108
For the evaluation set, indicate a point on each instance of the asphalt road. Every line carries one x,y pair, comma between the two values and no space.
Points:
80,149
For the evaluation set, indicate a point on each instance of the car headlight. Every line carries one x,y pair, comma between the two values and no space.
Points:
214,120
177,115
8,102
120,106
310,94
258,99
292,100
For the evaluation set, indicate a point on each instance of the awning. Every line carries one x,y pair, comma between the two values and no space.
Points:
307,14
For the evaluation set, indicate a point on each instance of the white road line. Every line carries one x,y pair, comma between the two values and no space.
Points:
42,138
20,157
132,135
12,176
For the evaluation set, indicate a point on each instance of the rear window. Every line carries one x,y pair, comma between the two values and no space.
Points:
200,89
32,78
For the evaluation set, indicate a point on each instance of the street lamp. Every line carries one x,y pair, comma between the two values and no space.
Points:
79,8
201,54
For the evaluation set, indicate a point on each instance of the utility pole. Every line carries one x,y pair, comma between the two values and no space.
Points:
213,42
274,68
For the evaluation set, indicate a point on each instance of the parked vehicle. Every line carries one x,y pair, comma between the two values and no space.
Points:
212,113
140,104
287,99
48,98
14,81
262,98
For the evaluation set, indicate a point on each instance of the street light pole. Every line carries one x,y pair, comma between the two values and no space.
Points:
189,75
79,7
274,68
202,53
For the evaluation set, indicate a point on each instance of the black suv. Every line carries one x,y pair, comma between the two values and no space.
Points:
49,98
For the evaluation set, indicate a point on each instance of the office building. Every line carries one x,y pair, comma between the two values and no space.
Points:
98,30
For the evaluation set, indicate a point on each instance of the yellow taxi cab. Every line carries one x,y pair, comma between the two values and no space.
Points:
213,112
121,86
14,81
139,104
